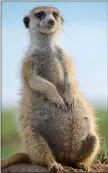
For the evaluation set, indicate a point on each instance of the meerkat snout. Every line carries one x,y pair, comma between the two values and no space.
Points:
43,20
51,22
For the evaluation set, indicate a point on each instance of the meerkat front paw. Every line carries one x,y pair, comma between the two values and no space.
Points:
69,100
56,167
58,101
82,166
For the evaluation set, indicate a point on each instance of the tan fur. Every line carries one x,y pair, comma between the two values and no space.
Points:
15,158
59,87
46,9
71,74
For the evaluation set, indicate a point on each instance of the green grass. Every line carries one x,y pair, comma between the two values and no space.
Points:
11,142
8,150
103,128
9,127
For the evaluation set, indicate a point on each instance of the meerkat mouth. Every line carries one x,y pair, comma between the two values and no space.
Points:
49,27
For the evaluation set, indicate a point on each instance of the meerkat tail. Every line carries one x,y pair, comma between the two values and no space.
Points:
15,158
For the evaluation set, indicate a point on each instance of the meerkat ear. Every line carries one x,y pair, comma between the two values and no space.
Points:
26,21
62,19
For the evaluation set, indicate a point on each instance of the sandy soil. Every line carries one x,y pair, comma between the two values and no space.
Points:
96,167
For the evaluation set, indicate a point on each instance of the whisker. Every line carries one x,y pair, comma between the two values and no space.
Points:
59,29
66,33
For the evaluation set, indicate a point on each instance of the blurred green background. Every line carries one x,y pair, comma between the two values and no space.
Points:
12,143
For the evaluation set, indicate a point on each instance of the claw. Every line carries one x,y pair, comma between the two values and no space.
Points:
73,104
56,167
70,108
65,108
66,104
61,106
82,166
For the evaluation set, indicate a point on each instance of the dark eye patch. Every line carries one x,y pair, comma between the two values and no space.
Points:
55,14
40,15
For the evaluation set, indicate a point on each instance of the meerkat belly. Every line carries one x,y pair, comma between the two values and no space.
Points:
64,132
52,70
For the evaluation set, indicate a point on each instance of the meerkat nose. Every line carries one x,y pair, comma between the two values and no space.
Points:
51,22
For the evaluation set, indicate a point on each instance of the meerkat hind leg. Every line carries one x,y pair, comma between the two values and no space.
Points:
87,153
15,158
40,153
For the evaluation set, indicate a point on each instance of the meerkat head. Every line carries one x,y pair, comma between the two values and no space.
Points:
44,20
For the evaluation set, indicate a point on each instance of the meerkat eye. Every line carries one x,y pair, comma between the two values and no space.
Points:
55,14
40,15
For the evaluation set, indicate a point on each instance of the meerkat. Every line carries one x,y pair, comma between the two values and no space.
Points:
57,125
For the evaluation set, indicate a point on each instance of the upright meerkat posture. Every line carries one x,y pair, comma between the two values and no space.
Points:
56,124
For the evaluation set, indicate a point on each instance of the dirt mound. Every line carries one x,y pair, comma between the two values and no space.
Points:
96,167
